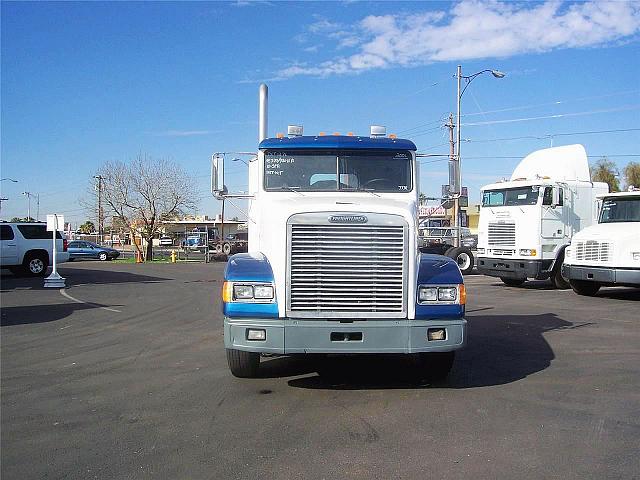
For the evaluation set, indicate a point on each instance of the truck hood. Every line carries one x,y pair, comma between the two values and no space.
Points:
609,231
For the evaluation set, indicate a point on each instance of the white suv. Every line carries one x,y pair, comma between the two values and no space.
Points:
27,248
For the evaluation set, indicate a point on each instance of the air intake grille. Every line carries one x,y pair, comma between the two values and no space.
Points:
502,234
592,251
347,270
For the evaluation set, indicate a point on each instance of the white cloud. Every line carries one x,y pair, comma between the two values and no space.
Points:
472,29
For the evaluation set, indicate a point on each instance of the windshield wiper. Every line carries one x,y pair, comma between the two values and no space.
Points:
292,189
368,190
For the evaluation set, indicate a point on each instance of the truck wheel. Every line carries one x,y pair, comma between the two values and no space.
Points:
512,282
226,248
463,257
218,248
557,280
583,287
36,264
243,364
437,365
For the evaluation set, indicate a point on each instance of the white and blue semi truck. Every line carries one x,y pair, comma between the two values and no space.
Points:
333,265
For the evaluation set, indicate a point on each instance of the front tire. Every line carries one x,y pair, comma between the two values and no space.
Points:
437,365
557,280
586,288
243,364
36,264
512,282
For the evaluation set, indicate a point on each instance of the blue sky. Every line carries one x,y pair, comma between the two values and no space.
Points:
84,83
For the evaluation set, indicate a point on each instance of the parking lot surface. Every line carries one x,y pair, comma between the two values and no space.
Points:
124,376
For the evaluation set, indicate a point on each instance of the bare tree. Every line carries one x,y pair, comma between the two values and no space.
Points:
144,192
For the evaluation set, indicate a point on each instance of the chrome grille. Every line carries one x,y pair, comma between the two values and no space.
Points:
503,234
592,251
347,270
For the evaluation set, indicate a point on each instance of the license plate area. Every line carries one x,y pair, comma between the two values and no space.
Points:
346,336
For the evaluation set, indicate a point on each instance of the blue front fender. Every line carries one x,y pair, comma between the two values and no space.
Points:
438,270
249,267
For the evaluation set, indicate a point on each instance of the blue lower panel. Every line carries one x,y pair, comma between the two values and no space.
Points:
321,336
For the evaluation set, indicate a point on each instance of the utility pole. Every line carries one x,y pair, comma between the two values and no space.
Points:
29,195
453,174
3,199
100,226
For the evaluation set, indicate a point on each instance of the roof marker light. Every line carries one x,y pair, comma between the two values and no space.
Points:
280,135
349,134
393,135
335,134
321,134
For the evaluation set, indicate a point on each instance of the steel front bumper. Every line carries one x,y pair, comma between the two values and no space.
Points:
285,336
606,276
509,268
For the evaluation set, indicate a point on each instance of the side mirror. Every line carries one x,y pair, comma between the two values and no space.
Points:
218,188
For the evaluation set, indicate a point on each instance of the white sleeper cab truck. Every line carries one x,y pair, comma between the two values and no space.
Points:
607,254
333,265
526,223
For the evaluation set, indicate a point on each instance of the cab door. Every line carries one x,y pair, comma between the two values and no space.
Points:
8,246
554,213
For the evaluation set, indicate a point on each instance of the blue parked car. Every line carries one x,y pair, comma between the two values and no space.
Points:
81,250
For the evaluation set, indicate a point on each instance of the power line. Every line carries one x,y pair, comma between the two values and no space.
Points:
560,115
558,102
551,135
589,156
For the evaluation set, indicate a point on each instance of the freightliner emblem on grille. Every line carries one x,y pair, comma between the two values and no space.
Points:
348,219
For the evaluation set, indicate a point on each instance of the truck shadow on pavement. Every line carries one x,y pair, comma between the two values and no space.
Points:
501,349
75,277
33,314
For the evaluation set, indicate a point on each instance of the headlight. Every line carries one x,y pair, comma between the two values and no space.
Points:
445,294
242,292
528,252
247,292
428,294
263,292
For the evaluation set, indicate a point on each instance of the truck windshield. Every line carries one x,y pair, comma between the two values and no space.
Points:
307,171
511,196
621,209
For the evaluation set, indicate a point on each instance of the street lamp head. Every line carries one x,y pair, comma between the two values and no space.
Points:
497,73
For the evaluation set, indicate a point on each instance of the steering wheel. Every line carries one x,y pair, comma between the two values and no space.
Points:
374,181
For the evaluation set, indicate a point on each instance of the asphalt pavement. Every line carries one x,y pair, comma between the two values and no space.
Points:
123,375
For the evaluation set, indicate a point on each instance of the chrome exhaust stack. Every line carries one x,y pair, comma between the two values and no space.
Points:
262,112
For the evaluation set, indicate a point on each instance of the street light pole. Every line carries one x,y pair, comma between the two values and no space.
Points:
456,187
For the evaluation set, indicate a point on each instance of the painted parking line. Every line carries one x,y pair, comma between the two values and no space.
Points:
73,299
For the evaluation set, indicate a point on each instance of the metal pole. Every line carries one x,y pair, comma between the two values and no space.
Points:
456,201
38,207
28,207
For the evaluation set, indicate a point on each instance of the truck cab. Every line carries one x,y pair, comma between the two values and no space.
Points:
333,265
608,253
526,223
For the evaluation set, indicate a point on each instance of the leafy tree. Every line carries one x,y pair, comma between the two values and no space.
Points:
143,192
22,220
605,171
632,174
87,227
422,199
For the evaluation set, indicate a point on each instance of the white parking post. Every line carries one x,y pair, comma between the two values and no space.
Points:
54,280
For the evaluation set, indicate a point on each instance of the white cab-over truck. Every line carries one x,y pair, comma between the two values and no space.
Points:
333,265
607,254
526,223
